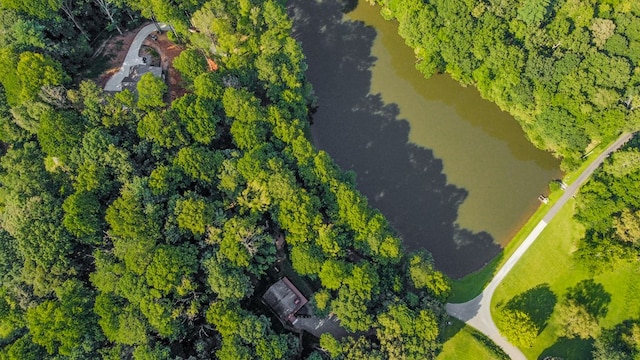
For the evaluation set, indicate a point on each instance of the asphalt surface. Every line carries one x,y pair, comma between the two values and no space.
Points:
477,312
132,58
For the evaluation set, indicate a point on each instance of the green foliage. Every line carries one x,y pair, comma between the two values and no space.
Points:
163,128
190,63
405,333
193,214
423,275
66,324
607,206
139,229
134,231
330,345
59,133
306,259
123,325
23,349
199,162
333,273
575,321
226,281
82,216
171,268
620,342
532,12
584,304
518,327
199,115
151,90
35,71
146,352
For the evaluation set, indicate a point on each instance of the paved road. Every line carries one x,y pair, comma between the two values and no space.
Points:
132,58
477,312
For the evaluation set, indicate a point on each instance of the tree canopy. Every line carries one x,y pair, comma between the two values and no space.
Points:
138,226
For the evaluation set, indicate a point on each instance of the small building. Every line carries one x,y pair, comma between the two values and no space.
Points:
284,299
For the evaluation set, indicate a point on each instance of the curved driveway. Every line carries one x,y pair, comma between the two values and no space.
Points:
477,312
132,58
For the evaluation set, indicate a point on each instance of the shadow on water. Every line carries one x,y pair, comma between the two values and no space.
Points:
363,134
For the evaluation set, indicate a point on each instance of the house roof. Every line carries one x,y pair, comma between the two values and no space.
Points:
284,299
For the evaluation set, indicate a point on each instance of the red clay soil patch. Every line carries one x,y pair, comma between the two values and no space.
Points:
168,51
114,51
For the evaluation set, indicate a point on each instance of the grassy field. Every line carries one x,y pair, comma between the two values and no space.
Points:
548,268
462,341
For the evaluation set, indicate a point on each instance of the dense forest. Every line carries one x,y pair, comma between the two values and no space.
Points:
567,70
134,227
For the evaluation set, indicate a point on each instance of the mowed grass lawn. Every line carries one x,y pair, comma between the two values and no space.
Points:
549,264
464,342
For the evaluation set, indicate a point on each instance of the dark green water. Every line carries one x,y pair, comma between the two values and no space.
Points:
453,173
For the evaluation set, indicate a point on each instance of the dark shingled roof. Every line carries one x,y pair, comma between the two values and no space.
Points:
284,299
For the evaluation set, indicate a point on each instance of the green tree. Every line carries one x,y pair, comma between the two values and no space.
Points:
151,91
333,273
307,259
575,321
423,275
330,345
518,327
190,63
171,269
229,283
405,333
622,342
601,30
148,352
194,214
119,323
66,324
24,348
532,12
199,115
59,133
199,162
163,128
627,226
35,71
133,229
83,216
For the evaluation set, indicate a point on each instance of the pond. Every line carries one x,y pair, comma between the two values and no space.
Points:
453,173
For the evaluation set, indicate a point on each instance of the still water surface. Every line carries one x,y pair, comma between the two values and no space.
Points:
453,173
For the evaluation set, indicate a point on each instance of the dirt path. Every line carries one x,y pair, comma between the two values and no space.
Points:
477,312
